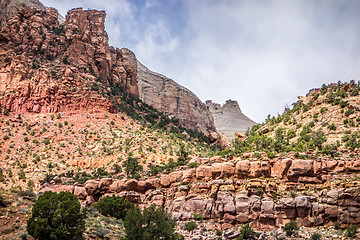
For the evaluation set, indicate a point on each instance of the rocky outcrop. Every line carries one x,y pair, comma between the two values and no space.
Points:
10,7
237,193
228,118
166,95
46,66
49,66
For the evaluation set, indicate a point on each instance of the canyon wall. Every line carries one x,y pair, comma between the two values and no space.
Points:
49,66
166,95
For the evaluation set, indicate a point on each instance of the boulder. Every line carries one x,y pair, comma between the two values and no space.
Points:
303,206
189,175
242,205
104,184
80,192
175,177
203,172
131,184
280,168
242,168
216,170
259,168
299,168
92,187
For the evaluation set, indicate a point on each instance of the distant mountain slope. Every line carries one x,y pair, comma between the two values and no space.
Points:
229,119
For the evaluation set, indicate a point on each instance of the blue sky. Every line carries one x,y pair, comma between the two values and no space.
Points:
262,53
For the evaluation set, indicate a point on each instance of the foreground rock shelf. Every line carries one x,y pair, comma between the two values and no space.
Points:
267,194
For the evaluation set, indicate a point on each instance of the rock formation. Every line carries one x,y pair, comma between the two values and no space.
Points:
47,66
166,95
232,193
228,118
10,7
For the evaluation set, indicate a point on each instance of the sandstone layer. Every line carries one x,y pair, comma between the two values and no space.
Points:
236,192
49,66
228,118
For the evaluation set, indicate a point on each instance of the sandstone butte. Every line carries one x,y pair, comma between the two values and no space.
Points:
48,67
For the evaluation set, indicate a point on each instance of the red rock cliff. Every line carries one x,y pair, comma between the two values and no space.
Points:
46,66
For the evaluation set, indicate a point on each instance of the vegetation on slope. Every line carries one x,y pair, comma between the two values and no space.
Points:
323,122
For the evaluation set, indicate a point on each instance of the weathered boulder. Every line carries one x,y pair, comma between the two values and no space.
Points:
303,206
131,184
242,168
267,209
104,184
225,203
299,168
280,168
203,172
92,187
259,168
242,204
80,192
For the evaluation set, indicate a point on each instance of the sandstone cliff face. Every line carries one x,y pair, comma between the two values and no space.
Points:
11,7
47,66
166,95
228,118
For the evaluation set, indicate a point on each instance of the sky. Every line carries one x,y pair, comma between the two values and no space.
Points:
261,53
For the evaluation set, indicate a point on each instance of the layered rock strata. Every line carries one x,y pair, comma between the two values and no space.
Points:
46,66
236,192
228,118
166,95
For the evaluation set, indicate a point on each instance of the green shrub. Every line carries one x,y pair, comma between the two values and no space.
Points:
152,223
219,233
331,126
290,228
190,226
349,112
193,165
113,206
6,112
132,167
291,134
351,231
46,141
246,232
315,236
197,217
337,225
56,216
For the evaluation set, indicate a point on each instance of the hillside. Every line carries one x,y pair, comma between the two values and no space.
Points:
325,121
80,116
